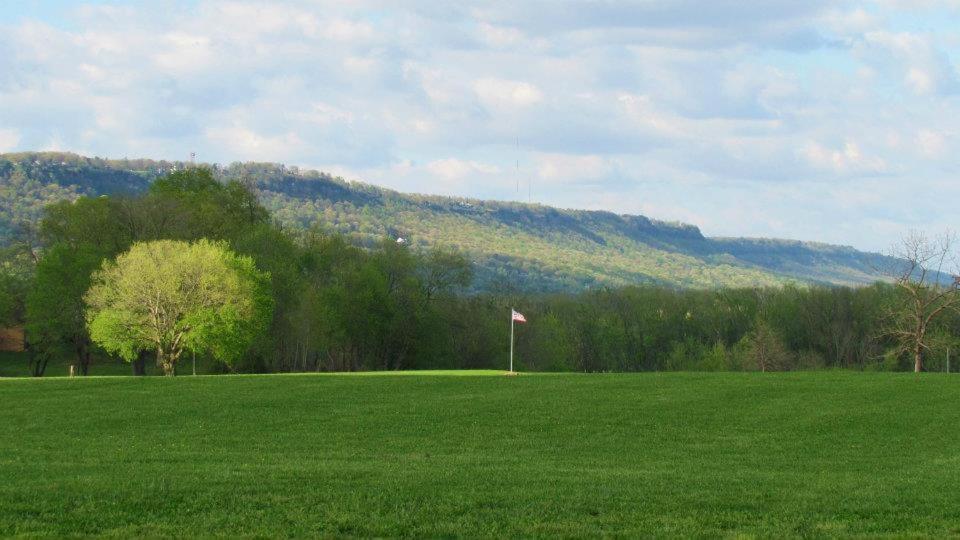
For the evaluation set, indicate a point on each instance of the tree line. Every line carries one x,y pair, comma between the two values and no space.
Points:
335,306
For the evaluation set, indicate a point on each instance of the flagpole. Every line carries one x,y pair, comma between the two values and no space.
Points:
511,341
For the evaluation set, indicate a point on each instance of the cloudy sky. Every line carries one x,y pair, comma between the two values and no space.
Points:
833,121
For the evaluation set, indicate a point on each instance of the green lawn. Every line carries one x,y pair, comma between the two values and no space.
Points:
805,454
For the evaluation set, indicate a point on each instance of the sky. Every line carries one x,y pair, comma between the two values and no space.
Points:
828,121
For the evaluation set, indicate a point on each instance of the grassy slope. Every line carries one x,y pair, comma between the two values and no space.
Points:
671,454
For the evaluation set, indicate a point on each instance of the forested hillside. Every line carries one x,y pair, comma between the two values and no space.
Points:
84,283
514,246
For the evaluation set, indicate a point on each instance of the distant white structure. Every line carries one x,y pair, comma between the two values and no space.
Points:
401,240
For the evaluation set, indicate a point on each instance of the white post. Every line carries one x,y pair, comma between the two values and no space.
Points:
511,340
194,362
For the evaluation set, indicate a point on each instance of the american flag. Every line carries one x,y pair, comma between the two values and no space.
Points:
517,316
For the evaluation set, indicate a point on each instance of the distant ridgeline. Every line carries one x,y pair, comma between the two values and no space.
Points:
515,246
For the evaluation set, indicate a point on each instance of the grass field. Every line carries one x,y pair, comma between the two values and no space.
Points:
807,454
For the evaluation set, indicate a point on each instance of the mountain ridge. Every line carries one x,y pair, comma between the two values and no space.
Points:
514,244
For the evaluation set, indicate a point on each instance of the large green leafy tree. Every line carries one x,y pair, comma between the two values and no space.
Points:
78,235
55,310
171,296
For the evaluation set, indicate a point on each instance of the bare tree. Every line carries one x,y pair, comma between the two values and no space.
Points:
926,277
766,349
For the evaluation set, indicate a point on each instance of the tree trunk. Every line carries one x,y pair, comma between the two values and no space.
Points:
167,366
38,360
918,349
83,358
140,364
85,361
165,361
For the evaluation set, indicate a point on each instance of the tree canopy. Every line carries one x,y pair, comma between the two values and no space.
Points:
171,296
55,310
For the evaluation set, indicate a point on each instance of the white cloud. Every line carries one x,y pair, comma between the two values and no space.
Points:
497,94
925,68
185,54
346,30
561,168
242,140
932,144
919,80
458,169
9,139
841,161
500,36
325,114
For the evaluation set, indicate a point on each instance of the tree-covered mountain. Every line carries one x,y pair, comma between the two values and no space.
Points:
514,245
